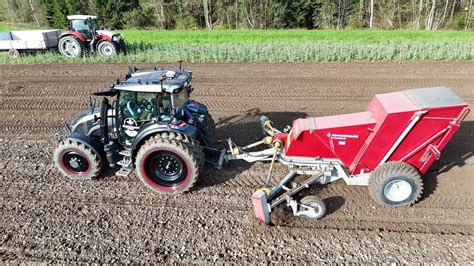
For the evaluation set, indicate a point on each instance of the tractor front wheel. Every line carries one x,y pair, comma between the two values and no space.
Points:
395,184
166,164
107,49
70,47
76,161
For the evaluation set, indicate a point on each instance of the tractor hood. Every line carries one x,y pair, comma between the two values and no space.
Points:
107,33
84,122
87,122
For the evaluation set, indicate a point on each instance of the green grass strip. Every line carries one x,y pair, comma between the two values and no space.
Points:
291,36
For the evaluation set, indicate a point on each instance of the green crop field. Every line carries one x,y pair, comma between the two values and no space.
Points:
277,46
291,36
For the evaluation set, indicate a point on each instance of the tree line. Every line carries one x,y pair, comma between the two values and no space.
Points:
247,14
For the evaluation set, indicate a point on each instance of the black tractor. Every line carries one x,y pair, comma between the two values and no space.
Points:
147,122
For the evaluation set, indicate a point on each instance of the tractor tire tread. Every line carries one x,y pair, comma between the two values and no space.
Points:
181,144
82,50
210,124
99,48
190,142
96,163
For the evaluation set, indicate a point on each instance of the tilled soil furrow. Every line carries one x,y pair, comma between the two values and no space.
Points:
240,189
207,91
338,221
116,219
237,103
38,167
237,196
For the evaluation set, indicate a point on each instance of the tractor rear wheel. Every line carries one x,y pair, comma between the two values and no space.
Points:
192,144
106,48
70,47
208,129
166,164
76,161
395,184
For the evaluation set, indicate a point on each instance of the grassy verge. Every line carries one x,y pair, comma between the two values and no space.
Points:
279,46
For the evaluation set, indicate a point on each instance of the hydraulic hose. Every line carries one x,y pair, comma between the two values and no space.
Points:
277,144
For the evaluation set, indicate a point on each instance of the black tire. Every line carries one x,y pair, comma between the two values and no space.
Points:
166,164
14,53
313,201
191,143
106,48
76,161
395,184
71,47
208,130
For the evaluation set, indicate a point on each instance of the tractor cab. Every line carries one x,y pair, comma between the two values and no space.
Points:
84,24
156,97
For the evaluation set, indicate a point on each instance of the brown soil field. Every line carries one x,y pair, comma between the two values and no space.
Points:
47,218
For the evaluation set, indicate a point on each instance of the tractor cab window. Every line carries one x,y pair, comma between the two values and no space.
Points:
165,105
181,98
135,109
94,24
82,27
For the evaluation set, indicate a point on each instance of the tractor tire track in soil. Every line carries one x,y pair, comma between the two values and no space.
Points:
48,218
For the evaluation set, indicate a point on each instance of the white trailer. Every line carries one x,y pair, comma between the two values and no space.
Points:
16,42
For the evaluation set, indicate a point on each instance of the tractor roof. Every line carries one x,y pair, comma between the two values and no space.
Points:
172,81
81,17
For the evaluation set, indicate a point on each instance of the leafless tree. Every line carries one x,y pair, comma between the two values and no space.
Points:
207,16
431,15
34,13
418,17
371,20
467,22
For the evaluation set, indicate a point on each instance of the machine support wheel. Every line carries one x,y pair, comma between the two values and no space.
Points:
166,164
395,184
106,48
70,47
314,202
14,53
76,161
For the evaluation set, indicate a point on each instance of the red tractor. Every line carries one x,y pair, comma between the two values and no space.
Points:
86,36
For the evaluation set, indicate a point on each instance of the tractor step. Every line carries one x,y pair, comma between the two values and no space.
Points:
125,153
124,171
125,162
